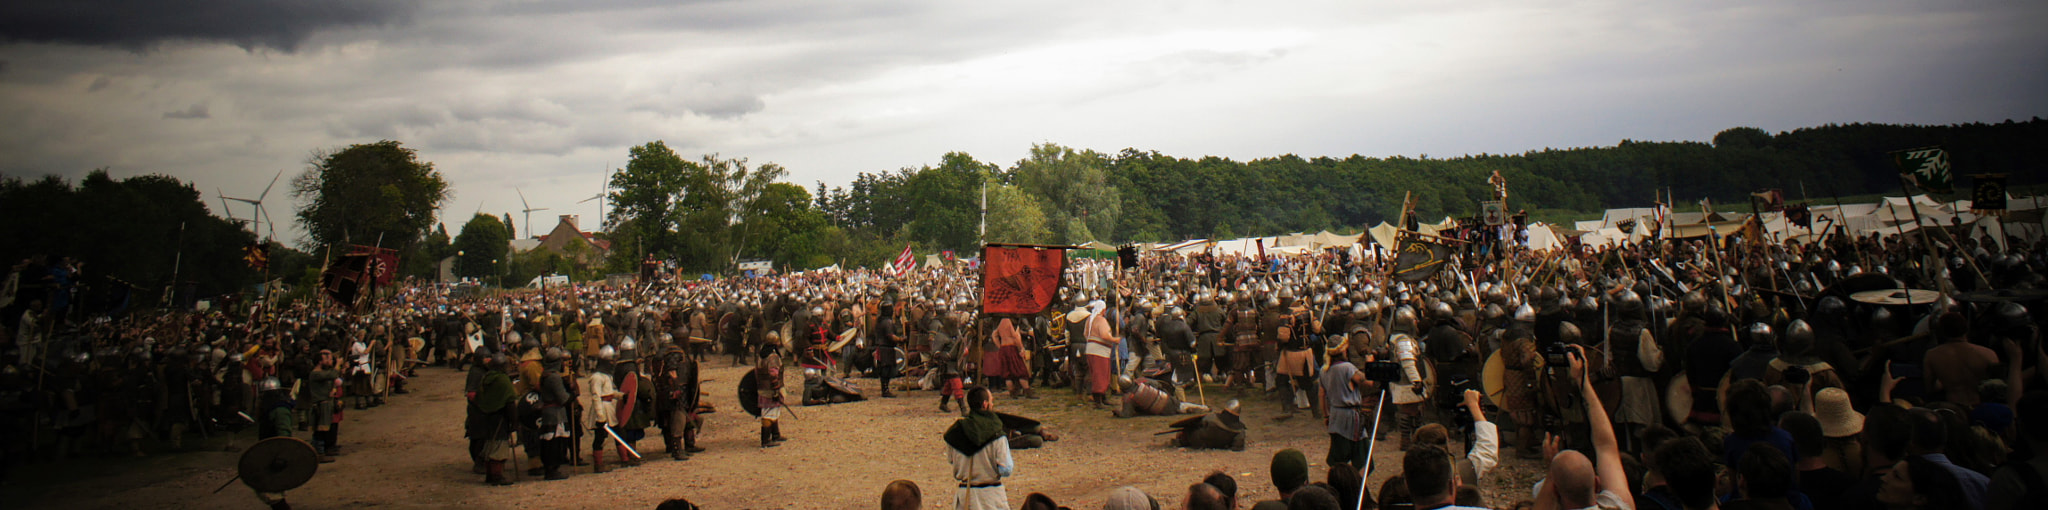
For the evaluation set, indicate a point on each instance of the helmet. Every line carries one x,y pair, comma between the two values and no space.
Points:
1525,313
1761,333
1568,333
1629,304
1441,310
1493,312
1798,338
2010,318
267,384
607,353
1404,318
1230,407
627,345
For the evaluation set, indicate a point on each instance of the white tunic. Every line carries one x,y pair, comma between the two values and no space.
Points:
599,400
986,467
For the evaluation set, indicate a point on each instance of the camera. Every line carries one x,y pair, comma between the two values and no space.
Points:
1557,354
1382,372
1797,375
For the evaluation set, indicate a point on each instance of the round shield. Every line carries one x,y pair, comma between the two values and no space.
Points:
1678,398
750,394
1897,297
417,344
379,382
1494,380
278,464
845,337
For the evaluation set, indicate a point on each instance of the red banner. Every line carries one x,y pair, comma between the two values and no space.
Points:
383,263
1021,280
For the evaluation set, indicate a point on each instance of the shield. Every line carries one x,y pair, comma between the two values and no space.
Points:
278,464
1678,398
1014,422
750,394
1897,297
2002,295
845,337
417,344
1494,379
842,385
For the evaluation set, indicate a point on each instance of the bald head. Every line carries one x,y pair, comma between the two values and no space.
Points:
1571,477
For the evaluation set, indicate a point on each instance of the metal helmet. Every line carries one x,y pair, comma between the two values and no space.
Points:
1525,313
1761,333
2010,318
1124,383
628,346
1493,312
1230,407
1441,310
1629,304
607,353
1589,304
1831,306
1569,333
1404,318
1798,338
1694,302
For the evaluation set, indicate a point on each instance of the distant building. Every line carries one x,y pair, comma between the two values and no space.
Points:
568,240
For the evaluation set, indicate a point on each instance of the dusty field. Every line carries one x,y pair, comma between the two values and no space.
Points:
410,454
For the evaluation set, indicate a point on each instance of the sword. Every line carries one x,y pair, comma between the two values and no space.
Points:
622,443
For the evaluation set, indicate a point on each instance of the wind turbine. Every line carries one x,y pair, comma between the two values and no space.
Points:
600,203
262,216
528,211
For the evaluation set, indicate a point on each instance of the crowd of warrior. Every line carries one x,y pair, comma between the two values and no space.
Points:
1662,374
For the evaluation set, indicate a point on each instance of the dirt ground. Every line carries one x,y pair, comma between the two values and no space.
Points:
410,453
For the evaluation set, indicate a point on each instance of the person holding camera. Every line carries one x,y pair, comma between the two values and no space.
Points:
1576,480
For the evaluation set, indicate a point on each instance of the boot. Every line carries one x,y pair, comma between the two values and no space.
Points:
496,474
479,468
690,442
768,438
597,461
945,401
775,431
555,473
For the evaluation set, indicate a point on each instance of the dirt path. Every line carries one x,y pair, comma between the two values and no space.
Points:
410,454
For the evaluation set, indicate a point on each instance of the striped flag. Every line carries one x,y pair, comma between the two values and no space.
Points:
904,263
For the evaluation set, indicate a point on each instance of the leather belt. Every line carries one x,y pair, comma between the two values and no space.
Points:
981,485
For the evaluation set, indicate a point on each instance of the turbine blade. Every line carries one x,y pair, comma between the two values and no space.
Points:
266,189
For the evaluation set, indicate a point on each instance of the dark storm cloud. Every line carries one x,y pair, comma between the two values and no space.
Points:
142,24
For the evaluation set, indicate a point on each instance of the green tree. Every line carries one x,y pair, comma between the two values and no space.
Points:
948,202
367,192
1015,216
1069,185
645,198
481,247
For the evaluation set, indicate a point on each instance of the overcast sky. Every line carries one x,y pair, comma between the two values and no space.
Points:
542,95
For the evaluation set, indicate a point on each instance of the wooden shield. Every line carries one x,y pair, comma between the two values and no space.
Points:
845,337
1494,379
278,464
1678,398
750,394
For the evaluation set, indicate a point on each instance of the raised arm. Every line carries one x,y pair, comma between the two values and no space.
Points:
1606,451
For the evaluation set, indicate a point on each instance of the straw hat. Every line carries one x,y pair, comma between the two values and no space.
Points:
1837,419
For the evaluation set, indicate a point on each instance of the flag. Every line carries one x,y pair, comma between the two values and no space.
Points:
1627,226
1021,280
1493,212
382,265
1770,200
345,278
904,262
1419,259
1800,215
1927,167
257,255
1988,198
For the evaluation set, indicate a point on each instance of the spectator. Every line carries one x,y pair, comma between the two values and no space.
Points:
1843,428
1750,421
980,453
1765,481
2024,484
1431,479
1918,482
1040,501
902,495
1820,483
1290,473
1343,479
1203,496
1129,498
1224,484
1887,433
1688,475
1930,441
1575,480
1313,497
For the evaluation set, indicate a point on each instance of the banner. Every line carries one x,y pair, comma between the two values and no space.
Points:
1021,280
1494,213
257,255
344,279
382,265
1989,196
1770,200
1800,215
904,263
1927,167
1419,259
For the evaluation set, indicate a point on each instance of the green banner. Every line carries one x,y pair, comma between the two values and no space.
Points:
1927,167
